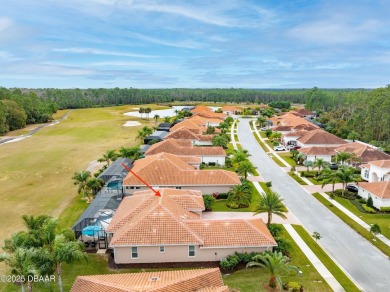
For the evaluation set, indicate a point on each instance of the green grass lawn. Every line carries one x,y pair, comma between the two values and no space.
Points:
359,229
263,135
269,142
252,279
264,187
287,157
277,160
260,143
340,276
383,220
297,178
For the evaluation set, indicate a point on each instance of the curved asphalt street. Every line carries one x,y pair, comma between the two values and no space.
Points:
367,265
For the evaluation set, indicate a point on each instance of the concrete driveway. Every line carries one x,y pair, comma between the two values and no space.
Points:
367,265
291,219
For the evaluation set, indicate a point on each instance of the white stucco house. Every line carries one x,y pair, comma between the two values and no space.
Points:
379,192
184,133
316,152
378,170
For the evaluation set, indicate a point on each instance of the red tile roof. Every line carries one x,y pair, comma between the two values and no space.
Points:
158,281
201,108
318,150
230,108
304,112
320,137
380,189
166,169
381,163
363,151
166,220
184,148
184,133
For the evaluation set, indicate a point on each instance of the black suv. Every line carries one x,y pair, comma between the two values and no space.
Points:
333,165
352,188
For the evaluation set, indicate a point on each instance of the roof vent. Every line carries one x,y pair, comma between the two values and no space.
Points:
154,278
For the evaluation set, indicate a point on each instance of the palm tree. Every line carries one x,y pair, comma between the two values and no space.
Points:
148,110
210,130
80,179
94,185
141,111
345,175
308,163
220,140
343,156
245,167
223,126
167,119
108,157
65,251
239,156
300,157
156,117
131,153
275,136
261,120
271,203
320,163
275,263
239,197
328,176
148,131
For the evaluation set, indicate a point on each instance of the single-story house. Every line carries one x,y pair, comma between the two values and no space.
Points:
155,136
315,152
209,280
172,171
378,170
292,137
169,229
202,121
364,152
116,169
282,129
207,154
379,192
184,133
231,110
306,113
319,137
201,108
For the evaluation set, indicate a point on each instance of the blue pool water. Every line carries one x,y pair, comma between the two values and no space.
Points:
114,185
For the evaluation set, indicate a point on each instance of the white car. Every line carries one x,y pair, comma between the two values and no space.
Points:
279,148
290,147
264,129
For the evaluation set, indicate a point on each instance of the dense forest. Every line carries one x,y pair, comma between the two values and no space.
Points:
363,115
18,109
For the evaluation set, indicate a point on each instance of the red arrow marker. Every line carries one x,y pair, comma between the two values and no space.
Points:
157,193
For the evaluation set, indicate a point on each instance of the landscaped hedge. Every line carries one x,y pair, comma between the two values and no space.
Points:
385,209
368,209
311,173
233,260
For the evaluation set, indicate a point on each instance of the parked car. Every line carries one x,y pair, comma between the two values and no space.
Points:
263,129
333,165
352,188
279,148
293,147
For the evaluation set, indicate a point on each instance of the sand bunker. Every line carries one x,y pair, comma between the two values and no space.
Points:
131,124
94,166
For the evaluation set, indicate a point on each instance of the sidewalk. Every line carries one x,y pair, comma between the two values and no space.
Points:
322,270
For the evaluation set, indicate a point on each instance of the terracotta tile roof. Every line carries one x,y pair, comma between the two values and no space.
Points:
381,163
184,133
166,220
191,159
212,115
190,125
295,134
320,137
201,108
304,112
296,114
318,150
230,108
184,148
232,233
380,189
363,151
364,165
282,128
289,119
166,169
306,127
158,281
204,121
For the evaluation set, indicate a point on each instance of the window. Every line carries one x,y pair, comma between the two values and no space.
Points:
191,250
134,252
137,188
162,249
178,188
366,173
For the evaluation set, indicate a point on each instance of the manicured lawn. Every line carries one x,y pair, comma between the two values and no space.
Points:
340,276
277,160
263,135
264,187
269,142
252,279
359,229
297,178
287,157
36,173
260,143
383,220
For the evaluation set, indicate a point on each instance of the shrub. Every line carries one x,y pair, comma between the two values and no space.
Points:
268,184
370,202
233,205
211,163
283,245
223,196
385,209
309,173
294,286
233,260
362,201
208,202
375,229
368,209
275,229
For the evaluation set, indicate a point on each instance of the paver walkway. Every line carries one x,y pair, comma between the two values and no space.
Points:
322,270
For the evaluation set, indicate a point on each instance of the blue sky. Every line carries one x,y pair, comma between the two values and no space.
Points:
165,44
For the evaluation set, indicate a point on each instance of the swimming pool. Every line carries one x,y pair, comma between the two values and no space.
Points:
114,185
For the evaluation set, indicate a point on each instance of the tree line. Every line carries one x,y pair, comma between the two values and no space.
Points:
359,114
17,109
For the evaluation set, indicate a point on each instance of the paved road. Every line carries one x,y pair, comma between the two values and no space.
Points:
36,129
368,266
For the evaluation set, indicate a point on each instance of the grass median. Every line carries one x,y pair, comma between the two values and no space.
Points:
338,273
353,224
297,178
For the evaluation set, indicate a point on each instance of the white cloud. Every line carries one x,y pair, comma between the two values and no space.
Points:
187,44
101,52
